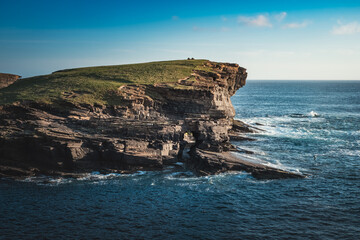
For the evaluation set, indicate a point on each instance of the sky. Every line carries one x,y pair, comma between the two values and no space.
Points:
280,40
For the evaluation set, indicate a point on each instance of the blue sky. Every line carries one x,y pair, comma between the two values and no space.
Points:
272,39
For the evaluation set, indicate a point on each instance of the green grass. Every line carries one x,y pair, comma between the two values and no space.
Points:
96,85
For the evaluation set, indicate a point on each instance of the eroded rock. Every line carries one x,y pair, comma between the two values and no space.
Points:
7,79
155,125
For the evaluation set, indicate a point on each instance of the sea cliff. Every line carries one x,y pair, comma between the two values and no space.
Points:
7,79
187,117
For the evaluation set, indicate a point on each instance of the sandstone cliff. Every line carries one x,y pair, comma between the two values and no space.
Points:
154,125
7,79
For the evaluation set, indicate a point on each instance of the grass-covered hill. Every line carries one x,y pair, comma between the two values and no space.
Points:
93,85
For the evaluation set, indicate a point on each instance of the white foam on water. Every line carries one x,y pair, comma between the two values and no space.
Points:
265,121
276,164
314,114
280,127
47,180
183,176
98,176
253,149
95,177
237,174
285,127
210,182
281,166
256,181
191,177
249,157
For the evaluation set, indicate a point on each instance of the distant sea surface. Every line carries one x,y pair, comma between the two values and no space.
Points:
311,127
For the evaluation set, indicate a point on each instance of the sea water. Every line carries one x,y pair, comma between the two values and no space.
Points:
310,127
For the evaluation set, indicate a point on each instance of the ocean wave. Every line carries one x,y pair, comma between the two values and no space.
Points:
47,180
249,157
304,132
289,127
189,176
277,164
268,161
290,132
98,176
314,114
252,150
186,176
286,117
92,177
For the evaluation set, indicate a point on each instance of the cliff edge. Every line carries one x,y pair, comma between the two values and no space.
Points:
124,118
7,79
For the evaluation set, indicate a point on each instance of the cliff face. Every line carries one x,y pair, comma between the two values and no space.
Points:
7,79
155,125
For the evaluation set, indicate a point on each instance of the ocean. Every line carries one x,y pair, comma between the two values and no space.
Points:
311,127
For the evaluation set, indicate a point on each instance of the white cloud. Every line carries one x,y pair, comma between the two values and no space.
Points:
258,21
281,16
296,25
346,29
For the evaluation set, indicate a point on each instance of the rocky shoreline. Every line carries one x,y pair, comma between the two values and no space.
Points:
155,126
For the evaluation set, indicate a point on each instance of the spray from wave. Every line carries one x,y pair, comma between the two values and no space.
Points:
314,114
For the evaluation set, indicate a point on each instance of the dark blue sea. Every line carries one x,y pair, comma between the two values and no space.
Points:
311,127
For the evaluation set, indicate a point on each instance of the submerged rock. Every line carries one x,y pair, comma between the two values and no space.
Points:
154,126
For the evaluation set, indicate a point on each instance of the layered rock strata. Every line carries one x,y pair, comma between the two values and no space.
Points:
7,79
156,125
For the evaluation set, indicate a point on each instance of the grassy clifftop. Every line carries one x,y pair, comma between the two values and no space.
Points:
96,84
